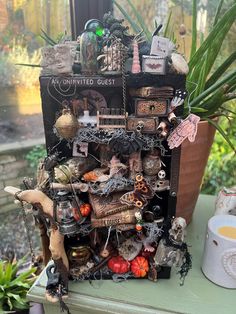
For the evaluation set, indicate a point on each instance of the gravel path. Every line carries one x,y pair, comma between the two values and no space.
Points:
21,128
13,236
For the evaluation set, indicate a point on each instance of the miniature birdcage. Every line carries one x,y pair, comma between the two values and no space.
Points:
111,59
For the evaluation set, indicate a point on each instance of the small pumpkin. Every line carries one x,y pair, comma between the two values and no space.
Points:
118,265
85,209
139,266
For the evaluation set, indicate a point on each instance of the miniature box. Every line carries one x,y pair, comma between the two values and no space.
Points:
154,64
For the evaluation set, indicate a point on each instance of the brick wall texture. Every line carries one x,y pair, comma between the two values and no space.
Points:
13,168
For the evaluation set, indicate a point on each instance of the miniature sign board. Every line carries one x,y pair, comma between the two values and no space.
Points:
161,46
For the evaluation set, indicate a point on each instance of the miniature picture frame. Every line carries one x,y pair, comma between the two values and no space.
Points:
80,149
154,64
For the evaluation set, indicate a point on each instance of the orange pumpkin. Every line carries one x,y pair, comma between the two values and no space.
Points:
85,209
118,265
139,266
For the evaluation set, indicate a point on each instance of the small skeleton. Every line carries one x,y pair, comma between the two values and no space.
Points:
177,231
169,252
111,57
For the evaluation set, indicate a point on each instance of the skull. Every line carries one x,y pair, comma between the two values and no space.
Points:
161,174
177,231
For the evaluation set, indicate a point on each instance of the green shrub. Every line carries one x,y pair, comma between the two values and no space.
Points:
14,286
35,155
221,167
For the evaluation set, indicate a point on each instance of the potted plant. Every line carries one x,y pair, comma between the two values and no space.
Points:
208,91
14,285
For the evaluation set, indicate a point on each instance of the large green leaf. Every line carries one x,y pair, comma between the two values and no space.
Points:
217,15
135,27
20,306
19,284
15,296
48,38
29,65
8,272
167,27
221,69
196,101
194,29
9,303
216,125
218,32
1,272
141,21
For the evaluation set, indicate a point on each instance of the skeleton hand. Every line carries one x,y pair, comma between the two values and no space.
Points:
186,129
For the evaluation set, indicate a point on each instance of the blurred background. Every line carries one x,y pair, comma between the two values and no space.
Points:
21,125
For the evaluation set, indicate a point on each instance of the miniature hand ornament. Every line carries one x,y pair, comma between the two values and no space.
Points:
186,129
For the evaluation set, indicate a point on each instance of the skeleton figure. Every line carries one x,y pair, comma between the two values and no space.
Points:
177,231
135,164
111,58
169,251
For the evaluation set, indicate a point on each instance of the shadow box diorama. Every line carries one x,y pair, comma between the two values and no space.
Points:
106,193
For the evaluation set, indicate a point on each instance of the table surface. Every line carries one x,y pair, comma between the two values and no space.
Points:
198,295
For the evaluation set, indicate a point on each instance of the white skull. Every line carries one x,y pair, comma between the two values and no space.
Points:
161,174
177,231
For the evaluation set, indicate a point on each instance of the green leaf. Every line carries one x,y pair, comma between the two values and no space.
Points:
218,12
221,69
46,40
135,27
201,75
141,21
48,37
1,271
197,109
8,272
218,32
29,65
19,284
221,131
212,89
194,29
15,296
228,110
24,304
166,31
9,303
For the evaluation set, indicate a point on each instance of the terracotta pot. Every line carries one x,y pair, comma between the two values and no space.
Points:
193,161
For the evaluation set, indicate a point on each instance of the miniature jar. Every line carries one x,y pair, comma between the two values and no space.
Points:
88,52
79,254
152,163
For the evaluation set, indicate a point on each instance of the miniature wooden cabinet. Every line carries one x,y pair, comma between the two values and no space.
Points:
103,99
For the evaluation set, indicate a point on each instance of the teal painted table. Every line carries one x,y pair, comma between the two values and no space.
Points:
197,296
